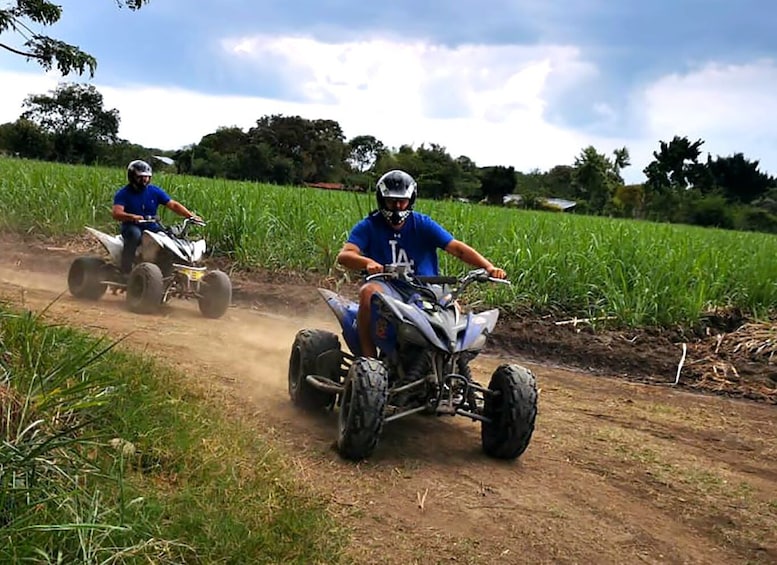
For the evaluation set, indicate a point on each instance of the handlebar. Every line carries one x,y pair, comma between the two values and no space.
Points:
195,221
178,230
157,220
398,272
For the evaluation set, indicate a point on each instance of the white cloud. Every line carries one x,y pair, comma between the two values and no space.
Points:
486,102
733,108
393,77
17,86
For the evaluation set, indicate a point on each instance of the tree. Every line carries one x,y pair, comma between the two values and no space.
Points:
225,140
364,152
738,178
306,150
559,182
622,159
630,199
73,107
468,181
597,177
675,166
439,172
531,184
25,139
326,153
497,182
711,211
43,49
674,170
74,116
405,159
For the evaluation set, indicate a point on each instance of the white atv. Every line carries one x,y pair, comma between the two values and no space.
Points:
167,264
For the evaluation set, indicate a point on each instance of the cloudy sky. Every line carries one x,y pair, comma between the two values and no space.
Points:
527,83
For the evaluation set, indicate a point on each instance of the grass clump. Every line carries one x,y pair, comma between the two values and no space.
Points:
107,457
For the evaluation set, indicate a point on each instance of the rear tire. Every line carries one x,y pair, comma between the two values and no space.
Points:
84,278
145,289
215,294
307,358
512,411
362,408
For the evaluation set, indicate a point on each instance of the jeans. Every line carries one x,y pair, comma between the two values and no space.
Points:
132,234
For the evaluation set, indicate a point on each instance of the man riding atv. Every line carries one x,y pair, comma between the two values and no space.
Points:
136,202
410,315
395,234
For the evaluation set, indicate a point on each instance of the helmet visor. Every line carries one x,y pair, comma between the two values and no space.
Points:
396,191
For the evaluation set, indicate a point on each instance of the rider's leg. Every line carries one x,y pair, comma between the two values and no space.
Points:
363,319
131,234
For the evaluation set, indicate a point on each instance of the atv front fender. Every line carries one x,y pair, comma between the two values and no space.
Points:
345,310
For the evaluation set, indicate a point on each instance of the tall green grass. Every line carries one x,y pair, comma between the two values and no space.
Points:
106,457
637,272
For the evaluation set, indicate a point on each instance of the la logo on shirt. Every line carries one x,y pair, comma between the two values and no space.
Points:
399,255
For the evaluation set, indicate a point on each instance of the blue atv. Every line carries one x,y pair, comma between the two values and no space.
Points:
425,343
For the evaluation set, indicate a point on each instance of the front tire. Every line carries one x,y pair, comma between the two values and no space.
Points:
512,411
85,276
362,408
145,289
215,294
314,352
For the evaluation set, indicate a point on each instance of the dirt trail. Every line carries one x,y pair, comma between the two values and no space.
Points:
617,472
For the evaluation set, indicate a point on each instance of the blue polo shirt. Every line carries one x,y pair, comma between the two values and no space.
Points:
143,203
414,245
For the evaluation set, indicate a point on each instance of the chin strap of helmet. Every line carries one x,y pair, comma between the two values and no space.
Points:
395,217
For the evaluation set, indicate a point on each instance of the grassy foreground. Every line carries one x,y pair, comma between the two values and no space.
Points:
636,273
107,457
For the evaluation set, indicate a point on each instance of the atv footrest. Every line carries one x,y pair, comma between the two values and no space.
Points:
325,384
474,416
397,415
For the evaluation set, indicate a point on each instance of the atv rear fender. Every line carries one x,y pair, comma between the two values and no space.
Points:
113,244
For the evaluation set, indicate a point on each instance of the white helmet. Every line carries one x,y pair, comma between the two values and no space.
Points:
137,169
396,184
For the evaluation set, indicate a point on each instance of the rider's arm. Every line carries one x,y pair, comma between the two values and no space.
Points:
120,215
471,257
178,208
351,257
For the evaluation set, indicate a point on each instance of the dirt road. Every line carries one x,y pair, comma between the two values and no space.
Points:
617,472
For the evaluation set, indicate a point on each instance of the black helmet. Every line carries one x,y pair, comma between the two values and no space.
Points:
395,184
137,169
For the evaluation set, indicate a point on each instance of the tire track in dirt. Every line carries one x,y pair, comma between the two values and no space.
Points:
617,472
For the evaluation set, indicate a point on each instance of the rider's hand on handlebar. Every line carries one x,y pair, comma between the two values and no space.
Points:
373,268
496,273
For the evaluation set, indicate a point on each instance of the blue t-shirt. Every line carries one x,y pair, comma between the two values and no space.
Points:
414,245
143,203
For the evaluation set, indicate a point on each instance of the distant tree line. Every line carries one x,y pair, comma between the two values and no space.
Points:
70,124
